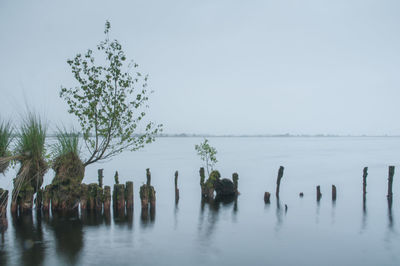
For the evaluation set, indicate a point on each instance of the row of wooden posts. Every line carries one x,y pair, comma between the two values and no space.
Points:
94,197
267,195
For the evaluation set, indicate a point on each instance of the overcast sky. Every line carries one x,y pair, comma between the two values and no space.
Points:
220,67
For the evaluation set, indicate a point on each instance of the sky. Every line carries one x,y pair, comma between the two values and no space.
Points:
218,67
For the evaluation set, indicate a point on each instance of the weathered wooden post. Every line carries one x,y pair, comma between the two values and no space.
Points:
176,188
301,194
3,202
116,178
365,174
119,198
100,177
202,182
148,176
390,182
267,196
333,192
235,179
319,195
107,199
84,196
144,197
129,195
278,180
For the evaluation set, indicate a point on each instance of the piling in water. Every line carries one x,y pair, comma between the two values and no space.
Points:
100,177
148,177
365,174
119,198
278,180
95,197
319,195
390,182
333,192
129,195
148,195
301,194
3,202
267,197
176,188
107,199
46,199
84,197
235,179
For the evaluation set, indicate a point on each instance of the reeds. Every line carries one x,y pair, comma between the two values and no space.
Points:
67,144
6,136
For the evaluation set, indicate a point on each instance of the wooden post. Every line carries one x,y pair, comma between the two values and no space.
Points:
390,182
144,197
116,178
107,199
3,202
319,195
202,182
119,198
301,194
84,197
235,179
333,192
176,188
148,176
267,196
100,177
365,174
278,180
129,195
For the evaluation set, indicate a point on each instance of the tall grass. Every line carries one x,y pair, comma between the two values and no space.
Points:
67,144
31,139
6,136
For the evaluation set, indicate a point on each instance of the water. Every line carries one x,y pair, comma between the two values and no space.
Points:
244,232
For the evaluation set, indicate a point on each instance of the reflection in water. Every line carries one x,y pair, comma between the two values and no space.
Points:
124,218
214,206
278,213
29,239
68,233
364,215
147,217
390,215
3,229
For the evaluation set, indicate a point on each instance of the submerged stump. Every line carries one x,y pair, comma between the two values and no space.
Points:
278,180
333,193
267,197
319,195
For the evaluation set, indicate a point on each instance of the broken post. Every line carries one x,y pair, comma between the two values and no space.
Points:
365,174
333,192
319,195
176,188
278,180
390,182
129,195
267,196
148,176
119,198
100,177
301,194
148,194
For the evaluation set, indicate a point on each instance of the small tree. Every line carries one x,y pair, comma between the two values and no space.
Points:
207,154
110,103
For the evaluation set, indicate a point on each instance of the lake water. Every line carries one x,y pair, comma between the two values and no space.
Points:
245,232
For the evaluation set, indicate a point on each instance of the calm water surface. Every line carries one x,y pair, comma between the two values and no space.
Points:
238,233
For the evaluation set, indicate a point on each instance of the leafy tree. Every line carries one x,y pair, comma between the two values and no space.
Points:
109,102
207,154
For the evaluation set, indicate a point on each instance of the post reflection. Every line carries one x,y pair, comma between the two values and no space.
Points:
29,238
147,217
390,215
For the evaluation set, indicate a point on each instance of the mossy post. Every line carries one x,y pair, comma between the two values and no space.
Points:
333,193
119,198
129,195
278,180
202,182
3,202
319,195
390,182
84,197
107,199
365,174
267,197
100,177
147,195
144,198
176,188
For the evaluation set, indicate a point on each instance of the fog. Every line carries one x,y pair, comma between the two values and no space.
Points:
218,67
